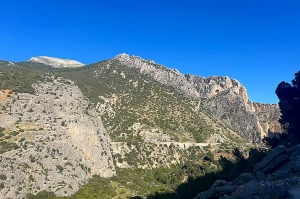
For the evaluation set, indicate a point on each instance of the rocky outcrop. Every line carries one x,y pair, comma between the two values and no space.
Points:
227,100
160,73
56,62
223,98
268,116
276,176
58,141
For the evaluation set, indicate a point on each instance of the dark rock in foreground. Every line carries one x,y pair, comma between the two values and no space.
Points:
276,176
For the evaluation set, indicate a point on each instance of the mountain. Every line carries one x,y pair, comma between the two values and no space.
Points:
222,97
56,62
62,124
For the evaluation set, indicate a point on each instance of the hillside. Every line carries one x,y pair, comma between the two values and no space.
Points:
153,117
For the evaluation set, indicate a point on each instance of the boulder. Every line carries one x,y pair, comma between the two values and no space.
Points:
275,177
295,192
242,179
216,192
275,164
248,190
296,165
219,183
294,152
260,176
254,189
280,150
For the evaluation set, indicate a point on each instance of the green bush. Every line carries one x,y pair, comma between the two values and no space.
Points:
59,168
3,177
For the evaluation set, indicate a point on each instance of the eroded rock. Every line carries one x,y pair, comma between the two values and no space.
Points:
59,141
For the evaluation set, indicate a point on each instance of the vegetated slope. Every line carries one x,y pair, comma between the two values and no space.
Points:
144,102
17,78
154,115
50,136
222,98
51,139
144,117
225,96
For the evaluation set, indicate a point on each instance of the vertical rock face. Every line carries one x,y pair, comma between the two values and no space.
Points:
268,115
224,98
59,141
227,99
209,87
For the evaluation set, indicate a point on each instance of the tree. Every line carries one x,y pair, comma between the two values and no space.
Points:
289,103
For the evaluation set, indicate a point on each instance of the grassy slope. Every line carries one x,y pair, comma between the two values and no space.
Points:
18,78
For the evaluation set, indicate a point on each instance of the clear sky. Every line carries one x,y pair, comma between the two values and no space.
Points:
254,41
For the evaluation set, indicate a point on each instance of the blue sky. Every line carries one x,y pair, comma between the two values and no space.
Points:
254,41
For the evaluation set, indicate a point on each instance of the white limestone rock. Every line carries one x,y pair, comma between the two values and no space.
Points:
62,144
56,62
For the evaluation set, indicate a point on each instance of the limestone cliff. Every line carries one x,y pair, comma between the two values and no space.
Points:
268,115
223,98
51,140
227,99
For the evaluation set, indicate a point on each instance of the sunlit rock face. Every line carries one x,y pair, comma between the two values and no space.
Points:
59,143
56,62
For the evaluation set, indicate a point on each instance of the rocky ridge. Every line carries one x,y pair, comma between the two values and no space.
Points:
160,73
56,62
276,176
223,98
51,140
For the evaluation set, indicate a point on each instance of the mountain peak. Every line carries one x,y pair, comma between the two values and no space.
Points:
123,57
56,62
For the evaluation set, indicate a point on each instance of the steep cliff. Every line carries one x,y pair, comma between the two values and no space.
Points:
268,115
52,140
228,100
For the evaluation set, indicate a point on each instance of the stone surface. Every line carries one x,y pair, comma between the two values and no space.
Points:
282,183
159,73
227,99
219,183
280,150
242,179
56,62
60,140
217,192
248,190
275,164
294,152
